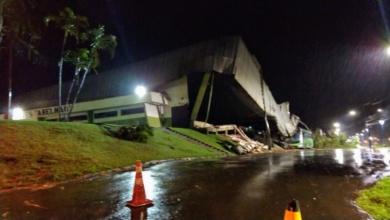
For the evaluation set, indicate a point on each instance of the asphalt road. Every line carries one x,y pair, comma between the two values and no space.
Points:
325,182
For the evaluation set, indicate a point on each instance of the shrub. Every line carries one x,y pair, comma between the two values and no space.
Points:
332,140
139,133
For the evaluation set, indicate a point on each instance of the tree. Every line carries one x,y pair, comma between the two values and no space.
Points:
332,140
72,25
19,32
2,6
80,58
87,60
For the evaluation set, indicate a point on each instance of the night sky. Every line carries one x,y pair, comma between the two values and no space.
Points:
323,56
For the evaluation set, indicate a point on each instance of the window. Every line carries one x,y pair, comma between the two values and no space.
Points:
132,111
78,118
106,114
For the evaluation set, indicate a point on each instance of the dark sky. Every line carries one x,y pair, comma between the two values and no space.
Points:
323,56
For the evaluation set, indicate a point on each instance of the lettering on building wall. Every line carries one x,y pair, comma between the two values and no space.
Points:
28,114
52,110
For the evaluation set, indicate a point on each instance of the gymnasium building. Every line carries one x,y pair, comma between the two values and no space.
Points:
216,81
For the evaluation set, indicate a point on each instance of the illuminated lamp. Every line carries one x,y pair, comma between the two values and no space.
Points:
18,114
140,91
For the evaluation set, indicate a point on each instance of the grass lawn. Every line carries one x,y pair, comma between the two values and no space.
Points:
211,139
40,152
376,200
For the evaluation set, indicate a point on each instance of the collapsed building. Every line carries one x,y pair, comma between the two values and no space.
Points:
216,82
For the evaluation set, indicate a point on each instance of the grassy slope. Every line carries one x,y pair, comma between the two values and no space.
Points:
38,152
376,200
211,139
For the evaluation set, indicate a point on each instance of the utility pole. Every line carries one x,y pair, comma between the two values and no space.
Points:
10,63
369,138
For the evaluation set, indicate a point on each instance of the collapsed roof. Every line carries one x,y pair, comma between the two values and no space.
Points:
240,93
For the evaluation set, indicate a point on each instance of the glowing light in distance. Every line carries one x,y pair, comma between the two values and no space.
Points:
17,114
336,125
352,113
381,122
140,91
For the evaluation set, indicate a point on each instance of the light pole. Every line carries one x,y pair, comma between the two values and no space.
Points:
370,110
382,123
369,137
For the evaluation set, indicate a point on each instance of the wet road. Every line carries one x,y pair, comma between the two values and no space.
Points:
247,187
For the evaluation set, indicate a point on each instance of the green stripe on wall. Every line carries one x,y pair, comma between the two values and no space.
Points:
154,122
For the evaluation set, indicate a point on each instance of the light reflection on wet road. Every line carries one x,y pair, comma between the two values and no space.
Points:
325,182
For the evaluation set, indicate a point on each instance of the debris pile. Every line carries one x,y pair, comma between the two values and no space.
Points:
138,133
245,145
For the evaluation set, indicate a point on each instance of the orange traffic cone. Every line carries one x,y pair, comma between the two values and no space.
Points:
139,197
293,211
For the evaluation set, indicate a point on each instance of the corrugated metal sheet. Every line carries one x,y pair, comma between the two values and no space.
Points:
248,74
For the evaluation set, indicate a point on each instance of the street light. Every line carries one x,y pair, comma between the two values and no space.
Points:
337,128
352,113
17,114
388,51
140,91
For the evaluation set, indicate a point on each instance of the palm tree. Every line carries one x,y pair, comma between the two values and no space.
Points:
71,24
88,60
2,2
18,28
80,59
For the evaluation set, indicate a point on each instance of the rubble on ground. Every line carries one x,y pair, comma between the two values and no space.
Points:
245,145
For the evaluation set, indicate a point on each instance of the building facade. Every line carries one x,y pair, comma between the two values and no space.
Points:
217,81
